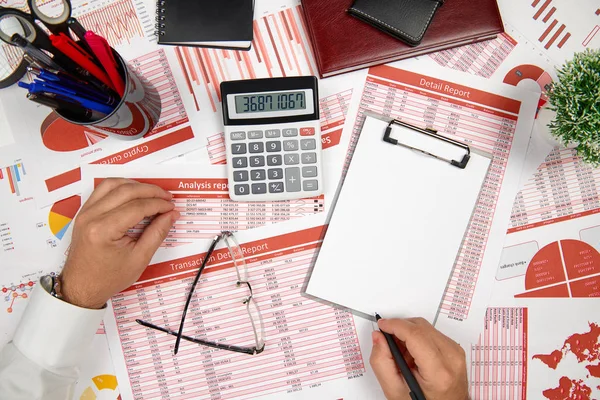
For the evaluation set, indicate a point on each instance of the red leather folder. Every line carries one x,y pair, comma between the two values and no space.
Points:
342,43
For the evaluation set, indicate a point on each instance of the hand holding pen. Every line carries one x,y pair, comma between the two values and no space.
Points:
437,362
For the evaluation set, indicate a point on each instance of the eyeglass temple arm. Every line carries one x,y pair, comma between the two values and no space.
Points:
191,292
238,349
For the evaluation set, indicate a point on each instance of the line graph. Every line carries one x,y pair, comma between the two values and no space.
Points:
117,22
14,292
13,174
279,49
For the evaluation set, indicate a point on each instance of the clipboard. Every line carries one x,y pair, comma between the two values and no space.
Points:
399,222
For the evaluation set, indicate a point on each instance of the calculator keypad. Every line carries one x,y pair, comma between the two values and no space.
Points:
274,161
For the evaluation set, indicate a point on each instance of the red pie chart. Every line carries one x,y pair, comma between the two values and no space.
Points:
60,135
566,268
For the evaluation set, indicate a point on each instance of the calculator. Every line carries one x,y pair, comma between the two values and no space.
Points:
272,138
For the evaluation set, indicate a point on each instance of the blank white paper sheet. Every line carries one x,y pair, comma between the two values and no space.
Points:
397,227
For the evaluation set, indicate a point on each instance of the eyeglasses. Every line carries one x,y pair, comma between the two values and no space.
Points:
237,256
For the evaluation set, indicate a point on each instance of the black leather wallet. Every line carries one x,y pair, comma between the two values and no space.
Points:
406,20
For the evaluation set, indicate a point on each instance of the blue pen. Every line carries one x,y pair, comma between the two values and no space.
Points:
79,86
38,88
81,90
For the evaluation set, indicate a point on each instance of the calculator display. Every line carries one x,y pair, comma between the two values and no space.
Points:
265,102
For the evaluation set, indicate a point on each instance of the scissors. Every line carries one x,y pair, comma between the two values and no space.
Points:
24,24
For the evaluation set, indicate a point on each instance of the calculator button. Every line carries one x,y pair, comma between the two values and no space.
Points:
292,179
259,188
309,172
290,145
307,131
240,176
308,144
257,161
258,175
276,187
238,148
274,160
309,158
240,162
238,135
272,133
310,185
273,146
275,173
289,132
291,159
256,147
241,190
255,134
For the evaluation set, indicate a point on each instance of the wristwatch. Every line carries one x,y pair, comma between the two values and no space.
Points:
51,283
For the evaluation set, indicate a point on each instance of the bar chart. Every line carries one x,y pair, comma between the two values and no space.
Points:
12,175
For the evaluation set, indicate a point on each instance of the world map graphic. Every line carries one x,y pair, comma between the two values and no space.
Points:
586,348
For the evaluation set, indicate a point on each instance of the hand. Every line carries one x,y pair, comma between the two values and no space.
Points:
437,361
103,260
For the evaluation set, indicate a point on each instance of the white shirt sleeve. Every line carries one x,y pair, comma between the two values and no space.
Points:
50,342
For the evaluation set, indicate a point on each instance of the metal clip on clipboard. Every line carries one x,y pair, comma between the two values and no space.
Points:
449,150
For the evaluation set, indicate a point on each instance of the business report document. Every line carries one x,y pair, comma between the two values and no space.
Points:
312,350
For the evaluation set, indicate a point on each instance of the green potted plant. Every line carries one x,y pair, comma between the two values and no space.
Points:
575,100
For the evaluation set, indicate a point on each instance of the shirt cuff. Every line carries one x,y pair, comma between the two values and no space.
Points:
53,333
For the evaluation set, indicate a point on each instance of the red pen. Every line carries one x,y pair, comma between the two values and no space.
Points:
65,44
104,54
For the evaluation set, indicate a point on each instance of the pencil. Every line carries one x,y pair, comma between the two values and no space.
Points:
415,390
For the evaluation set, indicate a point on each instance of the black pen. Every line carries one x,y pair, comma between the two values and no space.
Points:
415,390
72,110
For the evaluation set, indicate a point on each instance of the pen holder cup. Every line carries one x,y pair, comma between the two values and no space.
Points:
137,112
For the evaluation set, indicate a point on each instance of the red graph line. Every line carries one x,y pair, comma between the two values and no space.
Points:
554,37
274,47
290,40
304,49
548,30
186,76
263,49
10,180
542,8
118,22
587,40
549,14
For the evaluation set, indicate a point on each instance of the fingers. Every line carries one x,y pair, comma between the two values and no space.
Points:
104,188
125,192
386,370
155,234
128,215
418,336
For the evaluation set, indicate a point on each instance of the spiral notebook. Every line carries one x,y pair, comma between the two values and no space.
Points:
225,24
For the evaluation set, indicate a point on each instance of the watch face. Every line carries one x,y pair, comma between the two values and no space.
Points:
51,284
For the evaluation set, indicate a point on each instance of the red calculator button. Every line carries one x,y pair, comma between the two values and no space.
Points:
307,131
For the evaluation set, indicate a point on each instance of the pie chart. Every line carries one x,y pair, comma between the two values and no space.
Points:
104,385
533,72
61,215
60,135
566,268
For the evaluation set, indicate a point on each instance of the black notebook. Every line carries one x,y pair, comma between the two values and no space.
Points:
206,23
